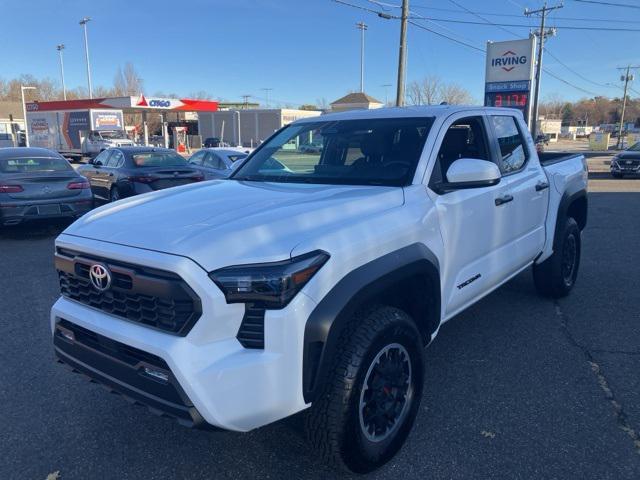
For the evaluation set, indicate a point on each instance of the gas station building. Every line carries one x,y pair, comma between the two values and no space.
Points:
140,105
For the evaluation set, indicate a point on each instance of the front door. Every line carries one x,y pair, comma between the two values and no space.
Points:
474,222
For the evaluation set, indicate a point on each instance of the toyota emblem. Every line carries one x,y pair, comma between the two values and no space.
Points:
100,277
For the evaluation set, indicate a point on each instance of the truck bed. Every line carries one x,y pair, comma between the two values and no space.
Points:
549,158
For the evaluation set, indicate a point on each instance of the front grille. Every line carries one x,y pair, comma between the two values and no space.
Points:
154,298
251,331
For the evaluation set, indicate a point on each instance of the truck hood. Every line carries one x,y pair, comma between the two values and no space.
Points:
227,222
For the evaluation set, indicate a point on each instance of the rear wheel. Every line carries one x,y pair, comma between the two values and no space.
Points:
370,400
556,276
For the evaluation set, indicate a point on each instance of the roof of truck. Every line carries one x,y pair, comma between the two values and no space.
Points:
405,112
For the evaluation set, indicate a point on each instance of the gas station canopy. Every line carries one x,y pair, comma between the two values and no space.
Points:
133,104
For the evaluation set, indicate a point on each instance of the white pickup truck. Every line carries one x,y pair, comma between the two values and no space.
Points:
316,279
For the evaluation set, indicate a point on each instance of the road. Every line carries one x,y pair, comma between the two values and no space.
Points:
516,387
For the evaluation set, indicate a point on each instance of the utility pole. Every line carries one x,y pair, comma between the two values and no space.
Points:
541,36
245,101
362,27
266,93
60,48
402,64
626,78
84,22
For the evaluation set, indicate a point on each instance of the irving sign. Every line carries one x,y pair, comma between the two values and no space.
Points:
509,74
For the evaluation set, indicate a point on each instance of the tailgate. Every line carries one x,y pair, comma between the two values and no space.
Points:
41,187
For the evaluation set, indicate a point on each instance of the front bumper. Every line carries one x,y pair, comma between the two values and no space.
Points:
15,213
219,382
622,168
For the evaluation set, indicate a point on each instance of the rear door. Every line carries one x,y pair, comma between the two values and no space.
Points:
528,185
474,224
97,175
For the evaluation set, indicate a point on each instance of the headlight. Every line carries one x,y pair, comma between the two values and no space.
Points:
268,285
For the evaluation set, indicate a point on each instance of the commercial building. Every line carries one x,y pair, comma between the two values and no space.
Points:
248,127
180,109
355,101
552,127
11,119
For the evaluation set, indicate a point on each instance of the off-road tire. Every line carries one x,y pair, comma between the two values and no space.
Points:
334,423
553,277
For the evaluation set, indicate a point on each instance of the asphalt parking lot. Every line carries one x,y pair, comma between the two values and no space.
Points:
516,387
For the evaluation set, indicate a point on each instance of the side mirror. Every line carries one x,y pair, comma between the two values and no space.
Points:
472,173
96,163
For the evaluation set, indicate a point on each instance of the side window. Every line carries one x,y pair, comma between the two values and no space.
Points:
512,148
103,157
196,158
213,161
116,160
465,138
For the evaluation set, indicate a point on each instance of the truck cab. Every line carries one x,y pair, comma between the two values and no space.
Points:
95,141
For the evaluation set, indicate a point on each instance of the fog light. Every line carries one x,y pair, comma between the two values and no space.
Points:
157,374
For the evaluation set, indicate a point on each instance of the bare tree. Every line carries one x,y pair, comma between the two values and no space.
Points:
432,90
127,81
455,94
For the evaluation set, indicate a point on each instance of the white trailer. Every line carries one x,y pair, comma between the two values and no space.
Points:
79,133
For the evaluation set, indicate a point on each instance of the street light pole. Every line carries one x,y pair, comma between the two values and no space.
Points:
362,27
84,22
24,113
402,64
60,48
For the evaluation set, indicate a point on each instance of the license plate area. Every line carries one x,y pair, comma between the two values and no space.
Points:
48,209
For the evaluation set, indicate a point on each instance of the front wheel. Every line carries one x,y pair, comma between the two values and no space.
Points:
371,396
556,276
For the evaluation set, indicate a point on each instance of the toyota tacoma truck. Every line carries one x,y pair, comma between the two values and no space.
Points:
315,280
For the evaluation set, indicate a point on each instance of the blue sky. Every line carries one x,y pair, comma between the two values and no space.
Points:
303,49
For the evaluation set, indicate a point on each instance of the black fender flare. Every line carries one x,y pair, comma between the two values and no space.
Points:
357,288
569,197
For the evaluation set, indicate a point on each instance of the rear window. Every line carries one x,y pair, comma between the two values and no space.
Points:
158,159
34,164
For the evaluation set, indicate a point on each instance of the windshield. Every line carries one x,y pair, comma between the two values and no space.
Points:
158,159
34,165
113,134
635,147
353,152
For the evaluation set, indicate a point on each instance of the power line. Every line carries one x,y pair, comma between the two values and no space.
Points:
573,71
610,4
482,18
528,26
415,24
513,15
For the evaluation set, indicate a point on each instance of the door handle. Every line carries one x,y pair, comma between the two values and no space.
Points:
541,186
504,199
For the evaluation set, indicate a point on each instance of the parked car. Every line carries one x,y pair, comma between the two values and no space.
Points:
7,140
310,148
123,172
214,142
36,183
626,162
216,162
241,302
